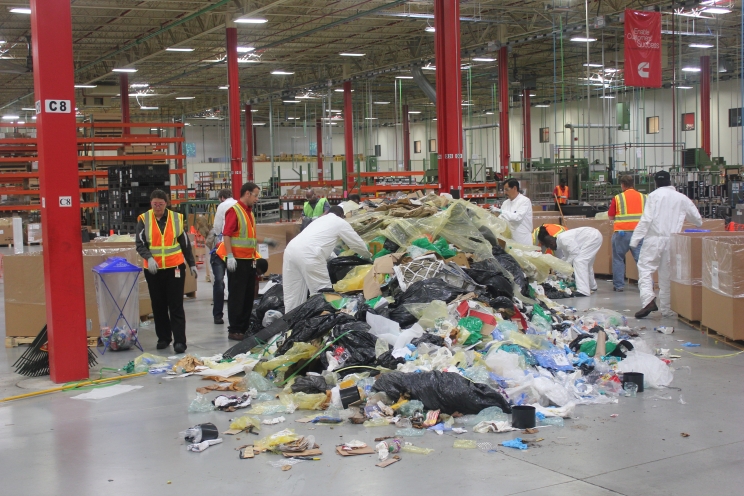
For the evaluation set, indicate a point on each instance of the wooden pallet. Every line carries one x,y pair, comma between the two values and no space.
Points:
692,323
14,341
739,345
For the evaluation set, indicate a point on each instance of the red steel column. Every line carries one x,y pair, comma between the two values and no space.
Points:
233,103
180,177
51,32
348,136
504,110
249,152
319,137
406,140
124,95
527,122
705,101
449,95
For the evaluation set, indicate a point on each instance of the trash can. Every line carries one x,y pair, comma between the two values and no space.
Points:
117,294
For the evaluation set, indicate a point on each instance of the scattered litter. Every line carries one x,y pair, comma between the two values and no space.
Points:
465,444
515,443
273,421
285,464
199,447
684,434
690,345
614,415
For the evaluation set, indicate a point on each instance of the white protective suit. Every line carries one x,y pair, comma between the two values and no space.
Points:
665,211
306,257
579,247
518,213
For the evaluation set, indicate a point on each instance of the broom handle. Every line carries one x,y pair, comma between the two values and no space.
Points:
71,386
559,204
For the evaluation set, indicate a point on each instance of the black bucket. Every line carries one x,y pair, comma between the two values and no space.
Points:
349,395
523,417
635,378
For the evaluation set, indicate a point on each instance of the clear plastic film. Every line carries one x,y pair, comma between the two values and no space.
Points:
681,262
537,265
723,265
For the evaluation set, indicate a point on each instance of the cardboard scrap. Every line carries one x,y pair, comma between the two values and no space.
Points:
310,452
388,462
382,265
353,452
232,432
216,387
247,452
461,260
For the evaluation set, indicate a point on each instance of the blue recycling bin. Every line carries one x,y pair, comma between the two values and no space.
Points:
118,303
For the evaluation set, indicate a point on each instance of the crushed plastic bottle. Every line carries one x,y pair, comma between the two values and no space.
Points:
409,448
664,329
201,404
376,422
465,444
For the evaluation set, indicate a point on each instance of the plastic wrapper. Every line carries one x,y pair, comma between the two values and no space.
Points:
680,260
429,314
491,414
146,361
418,450
723,265
409,408
304,401
313,328
298,353
410,432
473,325
271,408
354,280
355,339
270,317
201,404
465,444
442,391
254,380
282,437
504,364
656,373
339,267
244,422
272,299
311,384
440,246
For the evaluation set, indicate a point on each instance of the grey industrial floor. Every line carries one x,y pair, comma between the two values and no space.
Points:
129,444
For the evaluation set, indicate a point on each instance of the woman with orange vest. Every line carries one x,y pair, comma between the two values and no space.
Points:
626,210
553,230
239,250
165,249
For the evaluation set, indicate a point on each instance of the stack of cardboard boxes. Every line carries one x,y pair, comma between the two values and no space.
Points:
723,285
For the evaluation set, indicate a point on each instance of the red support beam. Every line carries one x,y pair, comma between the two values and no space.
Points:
233,103
124,94
348,135
527,122
249,151
319,137
504,110
406,140
705,102
54,92
449,95
179,161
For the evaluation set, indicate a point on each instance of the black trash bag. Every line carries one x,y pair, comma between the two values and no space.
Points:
575,345
340,266
262,337
488,236
402,317
388,361
444,391
509,263
311,384
312,307
359,343
429,290
254,325
430,338
313,328
273,299
496,284
390,246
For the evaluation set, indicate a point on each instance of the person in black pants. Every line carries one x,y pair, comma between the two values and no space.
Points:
165,248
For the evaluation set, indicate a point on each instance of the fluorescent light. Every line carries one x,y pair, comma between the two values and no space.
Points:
414,112
282,73
610,70
139,85
336,111
483,59
86,86
467,104
185,97
291,101
352,54
381,103
251,20
154,129
178,49
2,42
370,118
592,65
429,68
222,88
124,69
10,117
583,39
716,10
20,10
542,106
34,117
307,97
132,95
403,77
683,87
292,118
254,110
149,108
489,113
434,119
259,123
429,29
30,109
700,45
341,90
21,122
607,97
245,49
691,69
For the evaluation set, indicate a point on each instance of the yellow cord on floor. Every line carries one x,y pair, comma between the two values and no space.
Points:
710,356
74,385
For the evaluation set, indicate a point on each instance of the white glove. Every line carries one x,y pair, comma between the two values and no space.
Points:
495,210
232,264
152,265
194,272
270,241
367,255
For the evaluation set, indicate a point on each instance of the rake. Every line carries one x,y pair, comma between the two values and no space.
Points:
35,360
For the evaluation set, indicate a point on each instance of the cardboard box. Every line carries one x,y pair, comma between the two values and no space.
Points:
6,231
282,233
603,261
687,301
723,314
723,265
712,225
537,221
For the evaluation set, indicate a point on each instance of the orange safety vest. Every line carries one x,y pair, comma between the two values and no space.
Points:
553,230
244,245
164,245
562,192
629,208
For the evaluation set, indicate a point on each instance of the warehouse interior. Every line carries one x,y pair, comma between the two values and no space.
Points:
425,109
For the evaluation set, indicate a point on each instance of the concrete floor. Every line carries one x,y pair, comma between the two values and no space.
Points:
129,444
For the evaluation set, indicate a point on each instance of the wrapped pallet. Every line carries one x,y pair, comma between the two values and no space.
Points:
723,285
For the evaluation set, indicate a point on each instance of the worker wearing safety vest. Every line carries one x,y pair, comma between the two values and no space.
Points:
165,249
560,192
626,210
239,250
553,230
314,207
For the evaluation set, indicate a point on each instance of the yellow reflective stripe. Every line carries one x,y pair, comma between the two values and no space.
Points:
243,243
622,208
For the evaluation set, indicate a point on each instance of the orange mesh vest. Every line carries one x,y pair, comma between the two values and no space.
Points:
553,230
562,192
164,245
629,205
244,245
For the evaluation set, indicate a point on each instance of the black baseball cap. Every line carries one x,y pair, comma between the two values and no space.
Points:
662,176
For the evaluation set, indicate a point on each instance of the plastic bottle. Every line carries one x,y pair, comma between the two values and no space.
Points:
409,448
378,422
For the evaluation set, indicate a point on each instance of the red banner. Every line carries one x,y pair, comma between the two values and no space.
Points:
643,49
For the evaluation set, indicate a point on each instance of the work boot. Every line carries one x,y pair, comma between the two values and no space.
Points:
162,345
618,290
219,320
179,347
236,336
651,307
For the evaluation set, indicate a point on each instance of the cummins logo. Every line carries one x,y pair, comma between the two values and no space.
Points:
643,68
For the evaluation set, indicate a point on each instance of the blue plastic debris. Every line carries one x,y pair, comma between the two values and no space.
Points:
690,345
515,443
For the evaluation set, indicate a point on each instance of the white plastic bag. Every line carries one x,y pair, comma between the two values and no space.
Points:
656,373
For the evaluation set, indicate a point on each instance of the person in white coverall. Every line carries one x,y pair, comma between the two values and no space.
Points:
578,247
306,256
665,212
517,211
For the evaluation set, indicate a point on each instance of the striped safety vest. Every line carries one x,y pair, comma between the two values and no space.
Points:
553,230
164,245
629,208
244,245
314,212
562,192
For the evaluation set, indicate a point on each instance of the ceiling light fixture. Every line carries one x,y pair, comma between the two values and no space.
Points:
223,87
139,85
10,117
124,69
582,39
86,86
592,65
149,108
185,97
254,110
684,87
610,70
347,54
607,97
483,59
381,103
282,73
429,29
403,77
259,123
19,10
700,45
291,101
691,69
370,118
29,109
245,49
489,113
251,20
414,111
716,10
179,49
542,105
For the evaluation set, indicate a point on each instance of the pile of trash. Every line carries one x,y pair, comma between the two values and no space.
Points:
452,327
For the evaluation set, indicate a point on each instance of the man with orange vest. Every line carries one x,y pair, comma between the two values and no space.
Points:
239,250
165,248
626,210
553,230
560,192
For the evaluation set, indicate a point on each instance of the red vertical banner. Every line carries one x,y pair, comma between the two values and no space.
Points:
642,49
